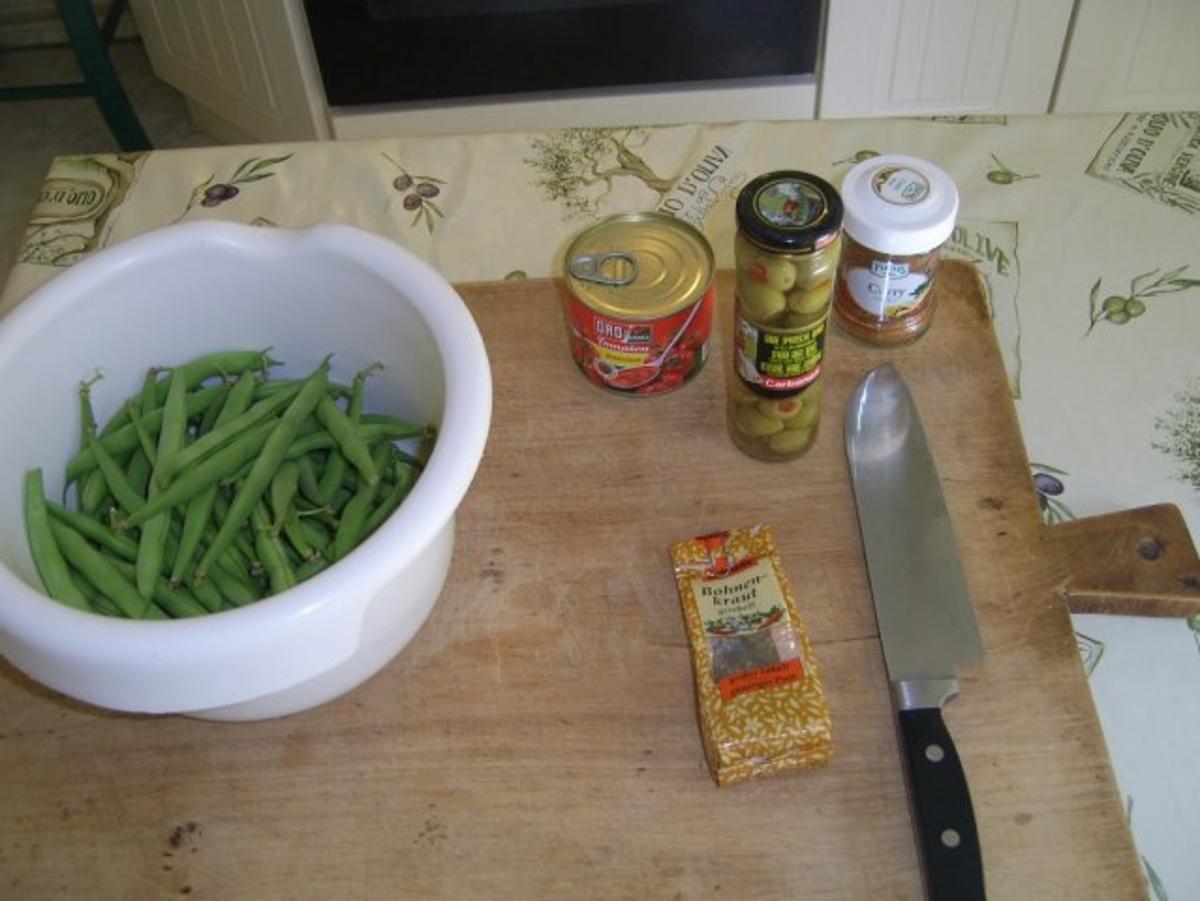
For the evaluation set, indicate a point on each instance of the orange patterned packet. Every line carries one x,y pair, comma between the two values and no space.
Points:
761,706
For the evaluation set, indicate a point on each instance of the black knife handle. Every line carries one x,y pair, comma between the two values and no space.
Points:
941,804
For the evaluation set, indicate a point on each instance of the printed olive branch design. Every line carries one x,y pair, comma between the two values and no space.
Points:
249,170
1119,309
1049,489
419,191
1002,175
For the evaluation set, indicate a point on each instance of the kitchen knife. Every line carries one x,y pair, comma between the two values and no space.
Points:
926,621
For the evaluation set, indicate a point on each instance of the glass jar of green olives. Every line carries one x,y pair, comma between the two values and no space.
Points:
785,254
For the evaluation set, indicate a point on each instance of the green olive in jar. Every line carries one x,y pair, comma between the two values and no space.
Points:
806,416
816,267
752,423
813,299
761,302
801,320
755,265
791,441
783,409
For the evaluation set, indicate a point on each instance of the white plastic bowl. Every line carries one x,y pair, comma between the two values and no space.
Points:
182,291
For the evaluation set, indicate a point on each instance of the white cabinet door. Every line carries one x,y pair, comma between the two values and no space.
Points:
1131,56
246,67
929,57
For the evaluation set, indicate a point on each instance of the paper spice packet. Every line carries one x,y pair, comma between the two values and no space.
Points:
761,705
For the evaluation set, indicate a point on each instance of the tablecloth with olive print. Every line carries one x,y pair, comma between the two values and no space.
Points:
1086,228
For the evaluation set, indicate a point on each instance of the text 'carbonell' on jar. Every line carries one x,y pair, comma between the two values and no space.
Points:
899,211
785,258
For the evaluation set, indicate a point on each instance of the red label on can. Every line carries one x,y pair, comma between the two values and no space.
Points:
641,356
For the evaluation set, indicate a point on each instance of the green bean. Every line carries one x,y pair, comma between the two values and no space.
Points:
103,605
47,558
172,435
348,439
87,417
220,465
267,388
235,591
340,499
208,418
120,419
310,488
137,472
93,492
265,465
357,390
242,545
372,433
283,491
405,476
177,603
95,531
400,428
353,518
99,571
333,474
238,399
293,530
124,439
145,442
242,549
170,440
209,595
310,568
149,398
199,507
315,534
226,364
271,551
227,432
118,484
195,518
236,565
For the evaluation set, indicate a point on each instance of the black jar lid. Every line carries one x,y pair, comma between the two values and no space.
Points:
789,211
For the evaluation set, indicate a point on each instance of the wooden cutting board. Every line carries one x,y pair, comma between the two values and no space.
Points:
538,737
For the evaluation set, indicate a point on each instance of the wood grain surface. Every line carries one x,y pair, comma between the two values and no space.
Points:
537,739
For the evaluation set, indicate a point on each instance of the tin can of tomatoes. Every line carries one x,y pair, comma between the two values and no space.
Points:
639,302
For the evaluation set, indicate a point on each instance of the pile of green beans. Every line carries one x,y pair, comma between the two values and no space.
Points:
215,486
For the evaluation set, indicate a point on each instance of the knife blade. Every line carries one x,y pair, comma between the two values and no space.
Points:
926,621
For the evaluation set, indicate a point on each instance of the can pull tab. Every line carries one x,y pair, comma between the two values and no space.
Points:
614,268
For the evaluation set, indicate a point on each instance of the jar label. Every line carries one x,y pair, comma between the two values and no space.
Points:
750,637
899,185
641,356
888,289
778,360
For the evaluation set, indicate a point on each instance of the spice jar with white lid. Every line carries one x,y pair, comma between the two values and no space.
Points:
898,212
